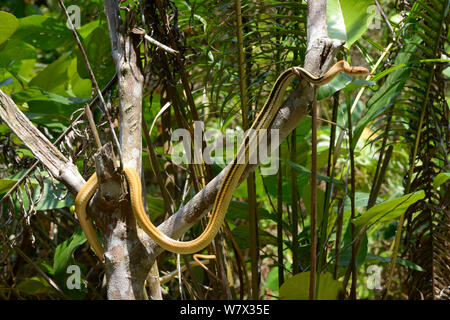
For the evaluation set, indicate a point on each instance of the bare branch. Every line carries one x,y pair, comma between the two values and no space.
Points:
56,163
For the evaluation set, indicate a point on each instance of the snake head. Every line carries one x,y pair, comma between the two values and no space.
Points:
358,71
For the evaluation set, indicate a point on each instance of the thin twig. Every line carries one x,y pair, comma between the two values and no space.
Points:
380,9
141,31
94,81
91,122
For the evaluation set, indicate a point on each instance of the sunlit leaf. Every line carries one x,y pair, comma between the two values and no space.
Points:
389,209
35,285
297,287
440,179
8,25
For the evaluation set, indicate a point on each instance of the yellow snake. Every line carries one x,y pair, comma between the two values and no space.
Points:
230,181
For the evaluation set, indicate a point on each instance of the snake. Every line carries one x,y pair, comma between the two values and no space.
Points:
230,181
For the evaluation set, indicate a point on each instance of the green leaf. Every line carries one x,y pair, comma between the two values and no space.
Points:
341,81
64,252
50,199
389,209
440,179
387,71
43,32
37,94
297,287
35,285
348,19
272,186
99,54
8,25
64,258
272,280
14,51
41,103
6,184
306,171
400,261
54,78
338,83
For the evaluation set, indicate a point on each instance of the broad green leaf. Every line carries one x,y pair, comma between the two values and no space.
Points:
64,251
41,103
37,94
86,29
8,25
35,286
50,199
78,86
64,258
440,179
6,184
348,19
272,279
57,123
43,32
20,72
54,78
306,171
340,82
47,268
99,54
389,209
50,196
15,51
297,287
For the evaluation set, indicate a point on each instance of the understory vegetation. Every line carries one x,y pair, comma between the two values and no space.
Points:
381,217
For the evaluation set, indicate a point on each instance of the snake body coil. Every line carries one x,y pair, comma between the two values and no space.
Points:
230,180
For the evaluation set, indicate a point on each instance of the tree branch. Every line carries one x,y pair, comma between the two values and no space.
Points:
56,163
